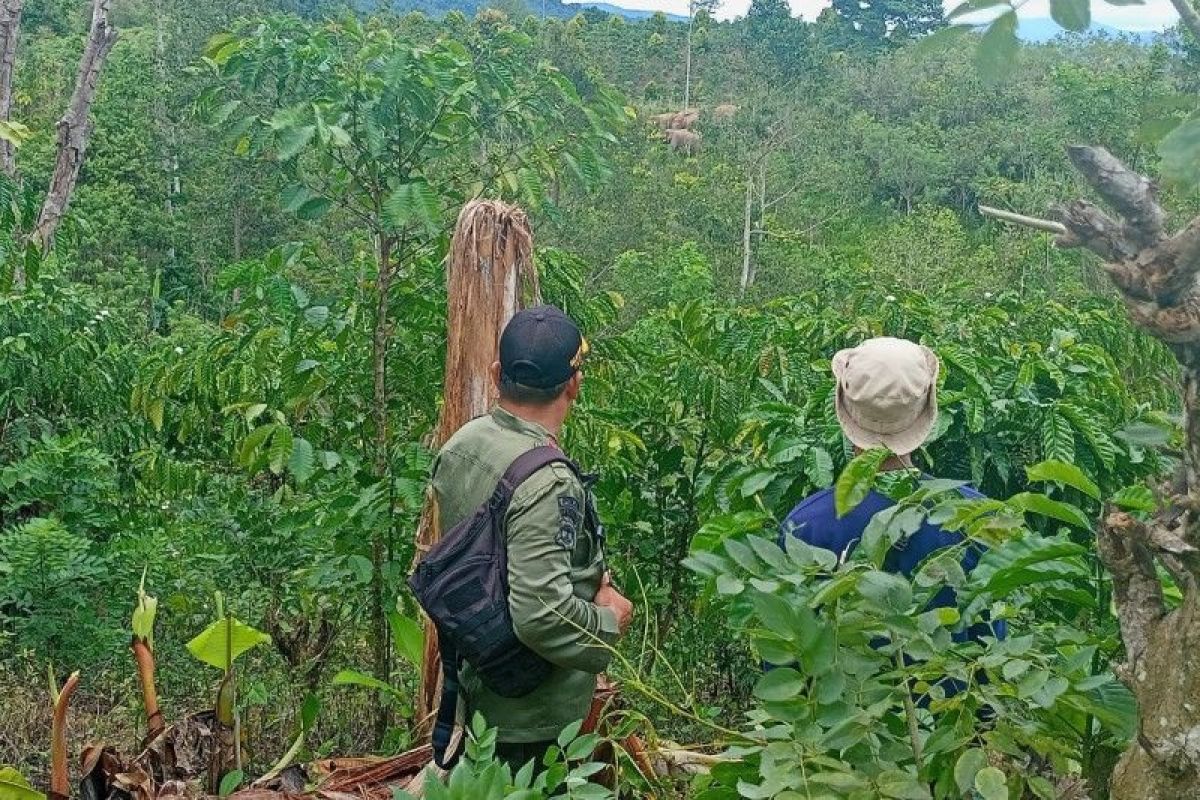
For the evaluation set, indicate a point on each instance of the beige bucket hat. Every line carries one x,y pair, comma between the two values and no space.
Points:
887,393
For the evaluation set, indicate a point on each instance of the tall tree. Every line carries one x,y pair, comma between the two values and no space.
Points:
698,11
879,23
10,27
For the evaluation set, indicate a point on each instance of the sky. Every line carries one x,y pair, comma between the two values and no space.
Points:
1154,15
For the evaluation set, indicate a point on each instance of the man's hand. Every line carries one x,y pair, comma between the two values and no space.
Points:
608,597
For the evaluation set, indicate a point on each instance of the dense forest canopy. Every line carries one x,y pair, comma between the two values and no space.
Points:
220,383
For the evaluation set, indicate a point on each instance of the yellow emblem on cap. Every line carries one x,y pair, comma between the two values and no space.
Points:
581,354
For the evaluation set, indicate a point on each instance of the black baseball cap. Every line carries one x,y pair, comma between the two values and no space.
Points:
541,348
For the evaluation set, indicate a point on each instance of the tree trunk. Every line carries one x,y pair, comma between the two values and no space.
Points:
1155,273
75,127
687,69
381,337
747,233
491,275
10,28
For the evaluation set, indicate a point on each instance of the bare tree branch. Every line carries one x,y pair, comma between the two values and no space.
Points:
1189,15
75,128
1133,196
1050,226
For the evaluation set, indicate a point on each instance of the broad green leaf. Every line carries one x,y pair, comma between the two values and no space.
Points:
776,614
280,451
1180,152
291,141
1067,474
886,591
967,767
991,784
409,637
781,683
349,677
899,785
857,479
998,49
13,786
302,462
1041,504
569,733
222,642
230,782
414,203
1074,15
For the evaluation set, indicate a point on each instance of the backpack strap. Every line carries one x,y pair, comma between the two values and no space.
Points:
447,713
521,469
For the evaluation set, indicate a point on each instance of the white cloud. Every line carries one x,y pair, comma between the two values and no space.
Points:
1154,15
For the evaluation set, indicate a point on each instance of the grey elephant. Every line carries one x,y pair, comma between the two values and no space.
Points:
687,142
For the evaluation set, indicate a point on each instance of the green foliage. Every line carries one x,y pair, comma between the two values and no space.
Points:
564,772
14,786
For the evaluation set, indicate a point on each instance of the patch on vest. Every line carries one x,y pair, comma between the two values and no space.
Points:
570,517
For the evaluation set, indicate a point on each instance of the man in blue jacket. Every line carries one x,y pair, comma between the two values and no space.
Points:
886,396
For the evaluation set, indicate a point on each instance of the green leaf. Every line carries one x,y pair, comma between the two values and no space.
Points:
998,49
1061,472
302,462
1041,504
781,683
899,785
569,733
409,637
972,7
967,767
13,786
856,480
291,141
280,451
991,784
887,592
143,615
414,203
582,747
212,645
1074,15
1135,498
1180,151
230,782
349,677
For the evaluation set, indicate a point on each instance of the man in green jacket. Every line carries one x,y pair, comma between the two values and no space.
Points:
563,604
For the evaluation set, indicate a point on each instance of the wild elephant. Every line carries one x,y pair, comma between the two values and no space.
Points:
684,120
725,112
687,142
663,121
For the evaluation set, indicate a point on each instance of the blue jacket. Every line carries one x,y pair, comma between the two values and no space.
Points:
815,522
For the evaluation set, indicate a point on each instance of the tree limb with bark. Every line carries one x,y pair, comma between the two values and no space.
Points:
1155,271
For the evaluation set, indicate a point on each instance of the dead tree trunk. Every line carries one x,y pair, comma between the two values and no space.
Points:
10,28
1156,275
491,276
75,127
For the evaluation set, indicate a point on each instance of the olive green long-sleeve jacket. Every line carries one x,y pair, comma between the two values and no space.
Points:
555,565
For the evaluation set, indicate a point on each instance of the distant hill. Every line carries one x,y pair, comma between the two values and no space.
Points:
628,13
551,8
1043,29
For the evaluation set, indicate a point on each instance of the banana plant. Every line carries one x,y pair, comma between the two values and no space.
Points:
219,645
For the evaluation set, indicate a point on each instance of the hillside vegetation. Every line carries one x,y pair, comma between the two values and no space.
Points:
192,401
